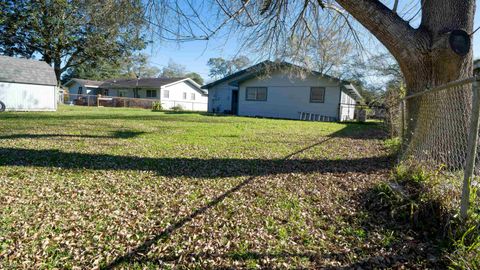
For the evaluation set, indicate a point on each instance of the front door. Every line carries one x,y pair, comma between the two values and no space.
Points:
235,102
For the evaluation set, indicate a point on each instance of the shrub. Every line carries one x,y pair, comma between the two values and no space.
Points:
156,106
177,108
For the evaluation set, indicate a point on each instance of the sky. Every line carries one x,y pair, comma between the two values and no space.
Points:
194,55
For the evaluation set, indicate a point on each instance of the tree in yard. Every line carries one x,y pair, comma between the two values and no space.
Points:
436,51
67,34
220,67
195,76
138,66
175,70
128,67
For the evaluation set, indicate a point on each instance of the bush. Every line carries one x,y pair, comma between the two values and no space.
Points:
177,108
156,106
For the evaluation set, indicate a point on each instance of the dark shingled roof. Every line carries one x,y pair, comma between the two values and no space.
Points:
30,71
142,82
87,82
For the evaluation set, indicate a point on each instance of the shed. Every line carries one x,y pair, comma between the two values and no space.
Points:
27,85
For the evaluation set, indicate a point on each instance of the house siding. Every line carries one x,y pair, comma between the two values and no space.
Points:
347,107
129,93
28,97
176,97
73,89
287,97
220,98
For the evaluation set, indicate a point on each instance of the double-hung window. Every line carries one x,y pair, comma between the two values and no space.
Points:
256,94
317,94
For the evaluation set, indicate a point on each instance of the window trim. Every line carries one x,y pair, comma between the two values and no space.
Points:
185,96
317,101
256,94
192,96
80,90
166,94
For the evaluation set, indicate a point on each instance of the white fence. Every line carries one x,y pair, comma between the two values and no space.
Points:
147,103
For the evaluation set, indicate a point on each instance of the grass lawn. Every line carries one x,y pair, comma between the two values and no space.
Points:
105,188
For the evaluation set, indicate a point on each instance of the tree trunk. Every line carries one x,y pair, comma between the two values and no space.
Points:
437,124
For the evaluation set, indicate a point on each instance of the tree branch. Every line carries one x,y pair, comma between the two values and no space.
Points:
396,34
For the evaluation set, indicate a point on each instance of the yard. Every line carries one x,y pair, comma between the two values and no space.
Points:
107,188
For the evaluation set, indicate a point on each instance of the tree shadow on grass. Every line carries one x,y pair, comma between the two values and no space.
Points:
284,165
186,167
120,134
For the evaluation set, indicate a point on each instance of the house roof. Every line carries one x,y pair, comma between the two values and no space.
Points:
263,67
85,83
29,71
139,83
134,83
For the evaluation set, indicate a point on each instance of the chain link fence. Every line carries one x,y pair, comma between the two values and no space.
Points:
439,130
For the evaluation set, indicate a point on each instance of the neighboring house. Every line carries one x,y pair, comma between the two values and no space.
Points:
171,92
269,89
27,85
82,87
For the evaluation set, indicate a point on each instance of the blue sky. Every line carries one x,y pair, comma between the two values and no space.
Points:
195,54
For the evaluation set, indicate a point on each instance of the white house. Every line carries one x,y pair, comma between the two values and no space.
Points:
171,92
27,85
283,90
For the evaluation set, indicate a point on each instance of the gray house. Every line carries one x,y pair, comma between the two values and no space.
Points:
283,90
27,85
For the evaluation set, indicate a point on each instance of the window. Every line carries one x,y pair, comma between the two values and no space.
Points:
166,94
80,90
151,93
184,95
105,92
317,94
135,93
192,96
122,93
256,93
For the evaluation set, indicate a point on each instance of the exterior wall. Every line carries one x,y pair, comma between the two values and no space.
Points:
220,98
347,107
142,93
28,97
287,97
176,97
73,89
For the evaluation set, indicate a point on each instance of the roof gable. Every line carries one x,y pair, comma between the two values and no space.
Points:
263,68
29,71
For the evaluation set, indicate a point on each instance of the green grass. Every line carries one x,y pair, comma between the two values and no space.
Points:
88,187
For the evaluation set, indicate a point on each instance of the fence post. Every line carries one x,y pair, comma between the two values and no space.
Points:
471,150
402,132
